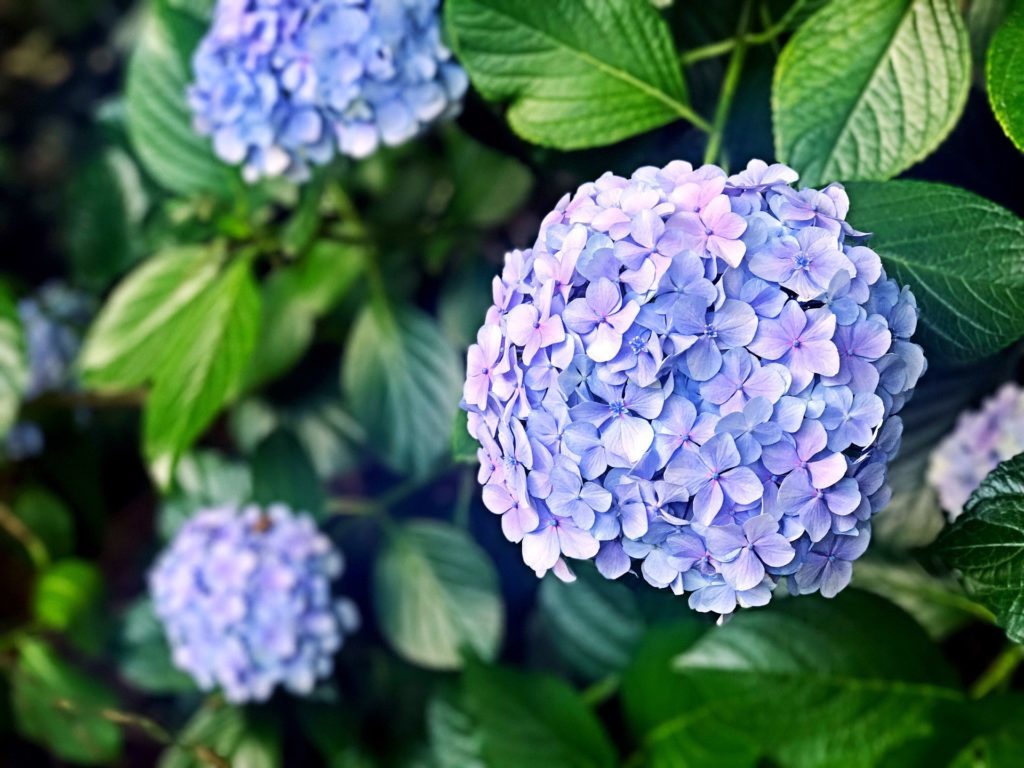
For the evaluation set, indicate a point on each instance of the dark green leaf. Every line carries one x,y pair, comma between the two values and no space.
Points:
145,657
983,19
528,719
203,479
201,369
403,382
577,73
240,738
962,255
60,708
1004,75
489,187
159,119
436,595
464,445
127,341
13,361
986,545
455,742
48,518
283,473
865,90
67,599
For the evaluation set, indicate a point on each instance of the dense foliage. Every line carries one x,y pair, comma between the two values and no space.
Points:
259,253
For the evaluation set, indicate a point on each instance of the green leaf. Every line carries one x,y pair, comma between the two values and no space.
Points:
60,707
127,342
13,361
593,624
144,659
158,117
294,298
455,742
403,381
436,595
489,187
1004,75
864,675
248,738
529,719
865,90
203,479
577,73
464,445
962,255
983,19
283,473
48,518
202,367
986,545
66,599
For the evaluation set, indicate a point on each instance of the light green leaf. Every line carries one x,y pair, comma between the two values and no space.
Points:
436,595
455,742
13,361
202,367
403,381
1004,75
158,117
283,473
240,738
59,707
962,255
128,340
986,545
865,90
144,659
577,73
593,624
866,673
528,719
66,594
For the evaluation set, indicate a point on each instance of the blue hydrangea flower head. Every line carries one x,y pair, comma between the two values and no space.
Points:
281,85
981,440
245,597
694,377
53,320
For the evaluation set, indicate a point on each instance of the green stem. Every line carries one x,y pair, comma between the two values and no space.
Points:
21,533
730,83
467,484
999,672
600,691
722,47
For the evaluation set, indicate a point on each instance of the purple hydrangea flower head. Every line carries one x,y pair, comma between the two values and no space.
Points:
245,597
694,378
981,440
283,84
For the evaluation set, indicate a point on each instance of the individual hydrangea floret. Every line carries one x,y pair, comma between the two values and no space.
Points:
981,440
281,85
694,377
245,597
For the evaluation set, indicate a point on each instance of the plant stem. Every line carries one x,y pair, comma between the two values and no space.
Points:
467,482
730,83
600,691
999,672
722,47
21,533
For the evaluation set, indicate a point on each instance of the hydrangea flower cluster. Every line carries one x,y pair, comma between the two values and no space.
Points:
245,599
697,374
281,84
982,440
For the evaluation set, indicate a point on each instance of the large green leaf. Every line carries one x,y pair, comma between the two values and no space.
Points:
436,595
202,367
13,361
864,90
1004,75
203,479
577,73
67,598
962,255
158,116
455,741
863,676
144,658
61,708
237,737
986,545
528,719
403,381
283,473
127,341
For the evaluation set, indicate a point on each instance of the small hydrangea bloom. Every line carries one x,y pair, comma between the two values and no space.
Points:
981,440
245,599
694,377
281,85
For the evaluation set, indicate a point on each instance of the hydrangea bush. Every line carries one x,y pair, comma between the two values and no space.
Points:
696,374
245,597
982,439
281,86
